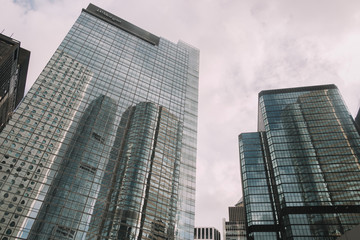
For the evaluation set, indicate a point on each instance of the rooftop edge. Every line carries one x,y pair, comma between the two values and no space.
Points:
122,24
298,89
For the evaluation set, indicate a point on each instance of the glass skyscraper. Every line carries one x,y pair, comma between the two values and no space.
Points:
301,170
103,146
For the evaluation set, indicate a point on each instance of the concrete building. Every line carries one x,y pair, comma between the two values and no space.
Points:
234,229
207,233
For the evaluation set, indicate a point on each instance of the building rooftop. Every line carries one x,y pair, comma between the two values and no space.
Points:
298,89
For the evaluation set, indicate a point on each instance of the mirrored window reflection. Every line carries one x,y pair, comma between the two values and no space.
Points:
57,152
309,160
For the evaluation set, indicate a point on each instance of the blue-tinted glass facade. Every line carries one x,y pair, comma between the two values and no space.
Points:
258,196
104,144
154,159
67,207
306,158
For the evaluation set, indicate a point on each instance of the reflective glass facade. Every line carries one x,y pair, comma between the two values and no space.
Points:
103,146
301,171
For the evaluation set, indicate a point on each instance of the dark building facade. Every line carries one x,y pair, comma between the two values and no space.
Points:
300,171
14,62
234,229
103,146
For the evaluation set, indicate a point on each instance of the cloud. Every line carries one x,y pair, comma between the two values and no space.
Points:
266,45
25,4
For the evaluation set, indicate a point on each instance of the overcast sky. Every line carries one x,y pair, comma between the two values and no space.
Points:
245,46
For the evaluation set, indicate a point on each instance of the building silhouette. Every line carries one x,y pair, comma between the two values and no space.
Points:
234,229
14,62
103,146
300,171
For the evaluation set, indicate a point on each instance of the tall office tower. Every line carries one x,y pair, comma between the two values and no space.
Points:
77,181
104,144
14,62
300,171
148,138
235,227
207,233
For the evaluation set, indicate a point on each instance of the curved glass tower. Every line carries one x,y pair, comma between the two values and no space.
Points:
104,144
301,171
146,150
67,208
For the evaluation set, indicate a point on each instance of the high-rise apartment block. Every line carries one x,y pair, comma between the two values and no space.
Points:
207,233
14,62
234,229
103,146
301,170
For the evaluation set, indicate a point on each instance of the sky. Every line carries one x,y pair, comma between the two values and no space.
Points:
246,46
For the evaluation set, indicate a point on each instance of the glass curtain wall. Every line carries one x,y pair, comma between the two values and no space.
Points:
97,74
313,167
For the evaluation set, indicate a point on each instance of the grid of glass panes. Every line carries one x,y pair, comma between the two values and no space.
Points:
114,64
149,151
186,202
31,140
314,148
257,196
